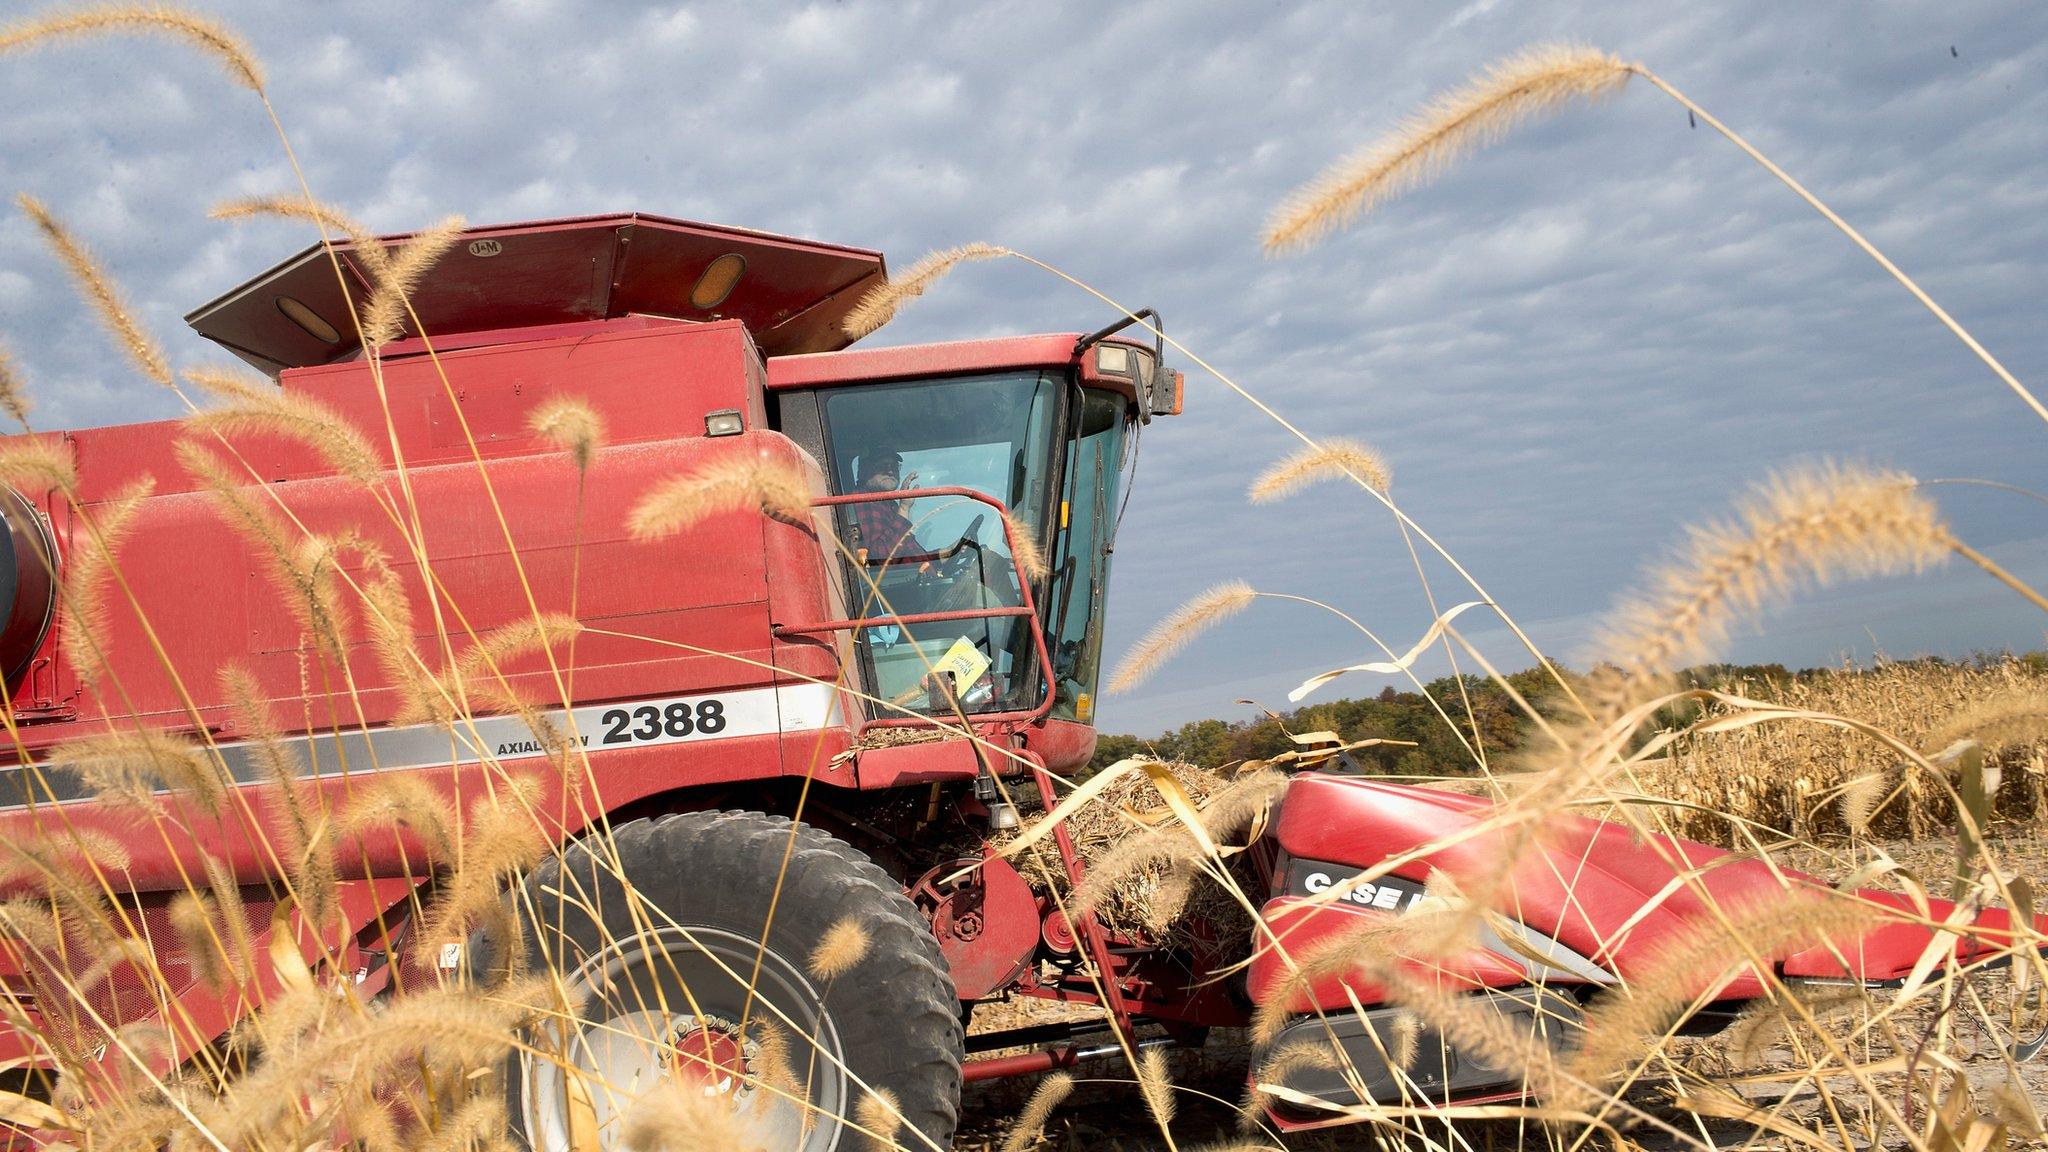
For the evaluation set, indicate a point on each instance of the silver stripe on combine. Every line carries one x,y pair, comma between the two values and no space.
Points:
749,712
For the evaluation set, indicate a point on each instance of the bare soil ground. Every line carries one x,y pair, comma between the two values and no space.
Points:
1105,1111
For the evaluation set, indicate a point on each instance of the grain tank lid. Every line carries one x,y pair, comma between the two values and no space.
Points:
791,294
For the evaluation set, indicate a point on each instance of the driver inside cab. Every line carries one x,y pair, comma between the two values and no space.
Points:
884,529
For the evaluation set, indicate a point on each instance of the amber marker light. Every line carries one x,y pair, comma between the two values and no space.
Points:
718,281
308,320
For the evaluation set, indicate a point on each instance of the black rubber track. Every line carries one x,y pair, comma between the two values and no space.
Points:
896,1011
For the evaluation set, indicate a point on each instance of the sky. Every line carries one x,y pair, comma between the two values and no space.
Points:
1569,348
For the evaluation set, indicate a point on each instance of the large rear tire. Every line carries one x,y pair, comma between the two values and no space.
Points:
669,988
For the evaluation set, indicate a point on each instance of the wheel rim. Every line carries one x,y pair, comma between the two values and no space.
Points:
662,1007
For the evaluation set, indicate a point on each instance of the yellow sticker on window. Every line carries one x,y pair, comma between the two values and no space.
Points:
964,662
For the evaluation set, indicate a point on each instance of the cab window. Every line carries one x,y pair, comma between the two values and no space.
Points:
994,434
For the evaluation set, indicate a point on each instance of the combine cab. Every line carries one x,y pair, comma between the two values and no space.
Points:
770,710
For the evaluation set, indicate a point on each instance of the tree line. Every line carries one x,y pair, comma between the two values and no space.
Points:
1410,718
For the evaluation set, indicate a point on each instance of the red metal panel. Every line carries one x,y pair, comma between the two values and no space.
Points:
908,360
907,764
1890,951
1593,885
962,357
791,296
1064,745
1590,881
649,384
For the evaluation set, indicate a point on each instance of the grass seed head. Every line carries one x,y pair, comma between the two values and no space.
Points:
2014,717
387,614
1028,557
40,465
100,290
742,483
1176,631
1621,1028
1156,1084
1861,798
291,207
1282,1062
881,303
1422,146
402,800
569,423
879,1113
1030,1123
1334,956
1169,850
84,640
840,950
256,406
13,396
304,571
677,1118
305,851
131,766
398,274
209,36
1805,527
1333,458
486,659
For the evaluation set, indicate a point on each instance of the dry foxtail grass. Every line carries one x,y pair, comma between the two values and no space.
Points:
1156,1085
568,423
1027,555
1178,630
1537,81
879,1113
1279,1064
92,561
2017,717
1332,458
388,615
300,571
398,274
1805,527
1621,1029
131,766
304,852
675,1116
13,397
843,947
1030,1123
42,465
882,302
394,271
323,216
207,35
101,291
770,487
519,638
255,406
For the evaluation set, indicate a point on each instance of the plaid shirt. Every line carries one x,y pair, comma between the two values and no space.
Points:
884,531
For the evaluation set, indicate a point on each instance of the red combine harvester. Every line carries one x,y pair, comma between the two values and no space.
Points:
708,692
